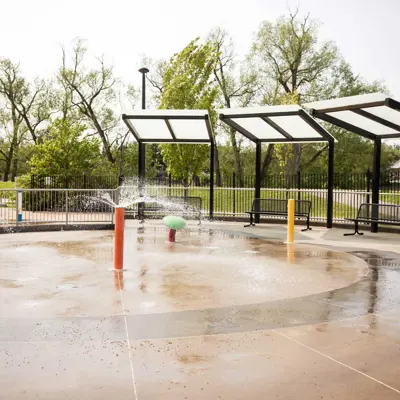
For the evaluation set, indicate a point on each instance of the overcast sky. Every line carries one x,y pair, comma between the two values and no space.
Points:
31,31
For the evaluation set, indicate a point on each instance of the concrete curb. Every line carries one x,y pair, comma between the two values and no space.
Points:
55,228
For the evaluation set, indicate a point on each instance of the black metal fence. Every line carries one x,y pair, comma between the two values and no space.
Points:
74,182
233,197
389,181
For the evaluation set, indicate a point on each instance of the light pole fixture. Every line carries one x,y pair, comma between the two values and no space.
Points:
144,71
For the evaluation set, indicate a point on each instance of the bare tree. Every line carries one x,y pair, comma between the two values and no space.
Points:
155,77
237,88
92,92
34,104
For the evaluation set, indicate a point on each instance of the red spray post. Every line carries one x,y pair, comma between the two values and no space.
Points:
119,238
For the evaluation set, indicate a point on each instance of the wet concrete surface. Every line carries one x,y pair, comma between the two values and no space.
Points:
62,369
254,365
202,270
216,315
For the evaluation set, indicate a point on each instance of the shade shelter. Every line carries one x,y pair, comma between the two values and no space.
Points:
374,116
172,126
280,124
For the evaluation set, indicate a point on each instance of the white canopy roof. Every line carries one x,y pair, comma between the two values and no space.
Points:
370,115
169,126
275,124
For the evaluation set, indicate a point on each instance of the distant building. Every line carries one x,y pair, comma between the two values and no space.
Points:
395,166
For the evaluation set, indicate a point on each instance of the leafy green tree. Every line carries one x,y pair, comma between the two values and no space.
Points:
292,63
92,92
65,151
12,134
188,84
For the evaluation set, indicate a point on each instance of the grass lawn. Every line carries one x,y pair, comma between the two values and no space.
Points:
238,201
7,197
7,185
390,198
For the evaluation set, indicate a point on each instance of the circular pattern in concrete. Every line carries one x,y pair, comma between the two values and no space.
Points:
67,273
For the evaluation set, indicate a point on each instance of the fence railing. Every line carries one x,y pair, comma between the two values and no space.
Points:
389,181
54,206
86,206
74,182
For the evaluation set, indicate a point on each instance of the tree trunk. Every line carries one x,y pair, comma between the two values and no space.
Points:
103,137
313,158
216,165
293,163
7,166
267,161
296,157
196,180
14,171
186,186
13,144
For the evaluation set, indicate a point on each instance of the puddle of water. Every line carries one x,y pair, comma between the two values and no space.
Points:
67,286
9,283
27,279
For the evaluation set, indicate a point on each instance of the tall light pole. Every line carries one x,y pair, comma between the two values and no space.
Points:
142,146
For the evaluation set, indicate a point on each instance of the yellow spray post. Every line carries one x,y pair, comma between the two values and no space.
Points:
290,221
290,253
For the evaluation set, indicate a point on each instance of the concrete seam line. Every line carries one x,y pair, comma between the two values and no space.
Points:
334,360
127,339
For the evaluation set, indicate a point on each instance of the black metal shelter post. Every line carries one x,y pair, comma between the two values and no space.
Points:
257,186
142,148
331,154
376,173
212,156
141,176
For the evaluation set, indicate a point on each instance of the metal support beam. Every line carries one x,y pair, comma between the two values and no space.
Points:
341,124
376,173
257,187
171,131
238,128
377,119
212,156
142,149
395,105
141,176
277,128
349,107
329,211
